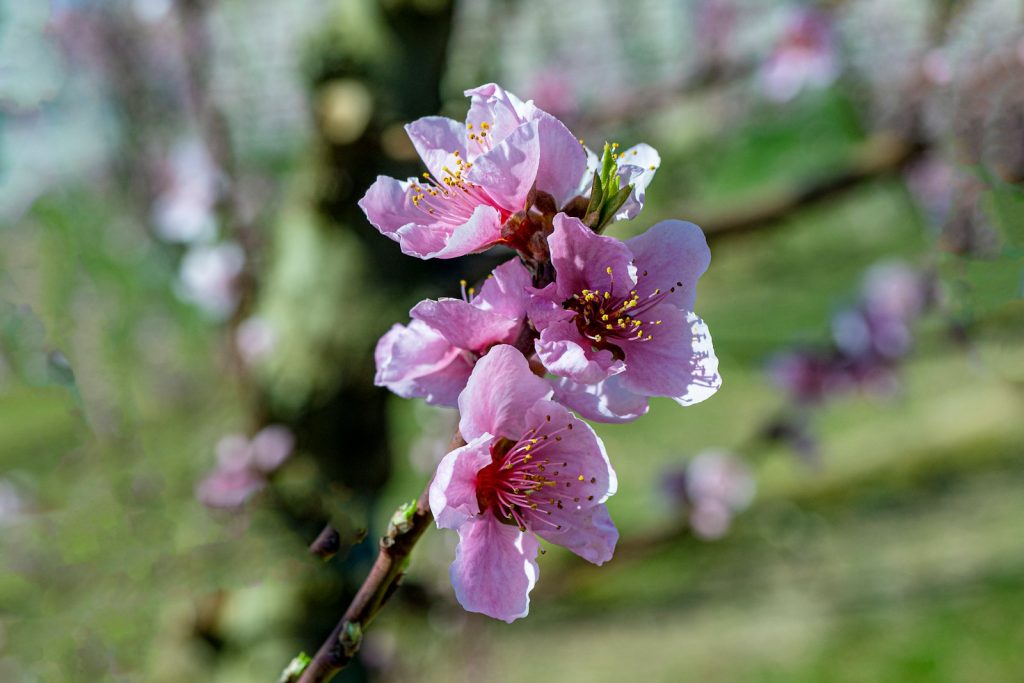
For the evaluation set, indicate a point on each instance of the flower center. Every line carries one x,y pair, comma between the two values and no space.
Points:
607,319
452,199
526,482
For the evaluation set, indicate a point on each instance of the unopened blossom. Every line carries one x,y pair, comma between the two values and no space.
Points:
433,355
620,316
529,469
806,57
209,277
243,466
480,174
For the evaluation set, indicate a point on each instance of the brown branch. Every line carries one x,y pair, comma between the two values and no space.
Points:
877,157
405,529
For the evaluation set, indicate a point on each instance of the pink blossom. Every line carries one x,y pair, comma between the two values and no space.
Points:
718,485
529,468
433,355
243,466
805,57
480,174
619,316
209,277
184,209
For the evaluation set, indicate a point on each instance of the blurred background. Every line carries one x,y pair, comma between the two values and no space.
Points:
189,299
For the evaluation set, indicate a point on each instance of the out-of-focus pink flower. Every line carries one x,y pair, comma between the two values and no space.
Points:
620,316
209,276
243,466
184,208
715,486
529,468
715,25
12,503
931,181
255,339
808,376
554,91
433,355
481,173
806,57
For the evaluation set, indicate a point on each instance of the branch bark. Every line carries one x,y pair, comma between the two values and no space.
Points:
879,156
404,531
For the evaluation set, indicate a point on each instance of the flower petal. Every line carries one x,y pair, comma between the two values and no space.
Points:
388,206
499,392
465,325
582,259
480,231
606,401
495,568
580,522
562,160
678,361
507,293
437,138
565,352
671,252
453,491
508,171
416,361
502,111
637,166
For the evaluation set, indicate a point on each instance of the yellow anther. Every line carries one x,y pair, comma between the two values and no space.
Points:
580,477
652,167
608,270
609,326
604,317
471,290
462,283
485,125
426,175
634,152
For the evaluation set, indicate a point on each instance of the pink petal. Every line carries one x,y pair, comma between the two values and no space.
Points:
565,352
416,361
501,110
453,492
606,401
508,171
678,361
507,293
271,447
436,138
562,160
480,231
586,529
495,568
229,488
588,532
581,259
498,394
464,325
671,252
388,206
